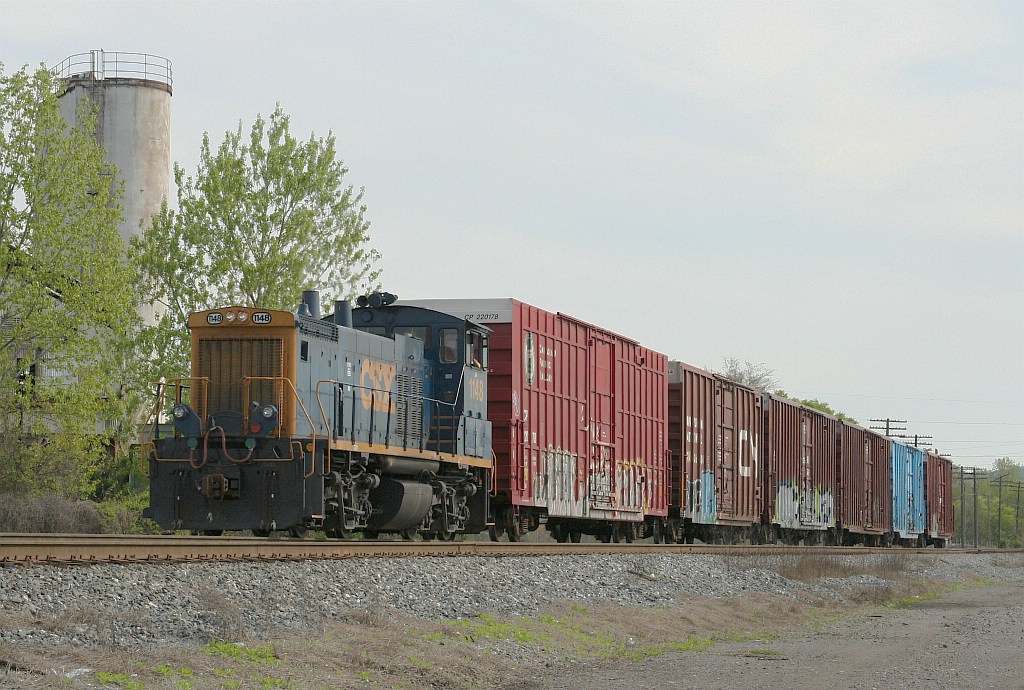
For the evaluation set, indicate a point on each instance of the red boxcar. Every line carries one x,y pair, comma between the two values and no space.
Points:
801,470
865,497
579,422
714,433
938,499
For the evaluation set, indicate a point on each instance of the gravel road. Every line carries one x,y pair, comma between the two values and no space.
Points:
970,638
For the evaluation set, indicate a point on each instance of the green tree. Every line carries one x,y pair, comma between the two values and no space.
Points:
67,301
818,405
263,217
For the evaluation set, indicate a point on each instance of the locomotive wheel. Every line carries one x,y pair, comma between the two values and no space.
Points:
261,533
575,536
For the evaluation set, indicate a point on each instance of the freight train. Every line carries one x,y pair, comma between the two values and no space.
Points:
440,417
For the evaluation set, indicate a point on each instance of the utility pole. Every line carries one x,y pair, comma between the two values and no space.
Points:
963,515
889,425
1016,520
918,439
999,513
974,476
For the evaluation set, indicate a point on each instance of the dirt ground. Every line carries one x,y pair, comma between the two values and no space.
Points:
969,638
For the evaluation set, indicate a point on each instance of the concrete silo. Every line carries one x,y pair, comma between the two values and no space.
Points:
132,96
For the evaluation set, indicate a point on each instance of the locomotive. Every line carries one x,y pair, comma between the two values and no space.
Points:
293,422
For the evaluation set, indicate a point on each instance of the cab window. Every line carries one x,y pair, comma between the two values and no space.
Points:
476,350
449,345
421,332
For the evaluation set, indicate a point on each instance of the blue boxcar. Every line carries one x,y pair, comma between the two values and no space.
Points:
908,508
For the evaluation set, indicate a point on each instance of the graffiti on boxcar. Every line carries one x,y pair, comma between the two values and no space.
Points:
701,499
599,482
798,509
747,462
556,484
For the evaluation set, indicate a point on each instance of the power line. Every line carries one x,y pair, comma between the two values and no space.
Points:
918,421
900,397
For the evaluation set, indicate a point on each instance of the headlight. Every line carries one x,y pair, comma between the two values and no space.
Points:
230,316
243,316
186,421
269,411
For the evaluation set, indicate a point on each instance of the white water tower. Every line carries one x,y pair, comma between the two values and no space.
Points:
132,96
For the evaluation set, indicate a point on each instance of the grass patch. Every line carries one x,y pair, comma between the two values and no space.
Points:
259,656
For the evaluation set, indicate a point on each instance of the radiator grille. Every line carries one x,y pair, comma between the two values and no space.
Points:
226,362
409,407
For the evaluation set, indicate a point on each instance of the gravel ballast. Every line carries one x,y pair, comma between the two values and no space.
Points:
131,605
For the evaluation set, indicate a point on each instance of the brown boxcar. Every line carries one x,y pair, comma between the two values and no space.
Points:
714,434
800,476
938,481
579,422
865,497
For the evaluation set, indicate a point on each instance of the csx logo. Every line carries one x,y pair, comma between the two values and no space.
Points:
375,379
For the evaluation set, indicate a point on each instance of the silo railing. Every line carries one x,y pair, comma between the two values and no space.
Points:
99,65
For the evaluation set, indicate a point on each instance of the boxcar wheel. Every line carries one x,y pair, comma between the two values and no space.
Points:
659,535
513,531
298,531
495,532
408,534
575,536
261,533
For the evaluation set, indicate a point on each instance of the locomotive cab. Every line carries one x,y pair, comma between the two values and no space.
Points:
457,350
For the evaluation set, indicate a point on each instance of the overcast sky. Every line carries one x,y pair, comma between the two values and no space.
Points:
833,189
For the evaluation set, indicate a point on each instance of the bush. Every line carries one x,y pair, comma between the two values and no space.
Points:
48,514
123,515
53,515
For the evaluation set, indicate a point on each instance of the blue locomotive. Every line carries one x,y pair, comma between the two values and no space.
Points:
296,422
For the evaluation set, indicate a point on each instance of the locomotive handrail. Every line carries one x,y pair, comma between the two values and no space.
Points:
404,397
312,430
151,430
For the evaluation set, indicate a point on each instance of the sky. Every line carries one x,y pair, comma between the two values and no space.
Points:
833,189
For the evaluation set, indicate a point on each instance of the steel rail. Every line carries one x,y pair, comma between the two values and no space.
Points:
79,549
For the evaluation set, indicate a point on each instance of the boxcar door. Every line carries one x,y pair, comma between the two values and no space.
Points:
602,468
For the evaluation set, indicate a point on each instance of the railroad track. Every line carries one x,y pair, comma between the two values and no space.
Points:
87,549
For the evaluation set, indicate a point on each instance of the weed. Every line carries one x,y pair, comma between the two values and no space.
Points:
119,680
260,656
